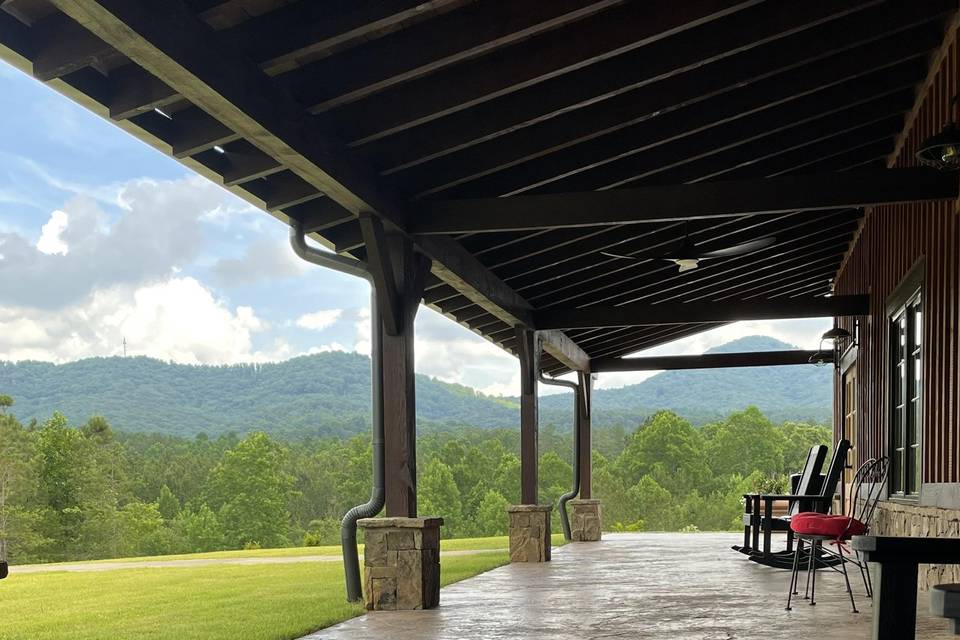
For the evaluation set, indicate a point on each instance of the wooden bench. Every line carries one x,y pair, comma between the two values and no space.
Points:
895,571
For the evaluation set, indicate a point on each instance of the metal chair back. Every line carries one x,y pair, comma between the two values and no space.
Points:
866,489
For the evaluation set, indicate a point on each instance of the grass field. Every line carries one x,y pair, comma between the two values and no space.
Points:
457,544
210,602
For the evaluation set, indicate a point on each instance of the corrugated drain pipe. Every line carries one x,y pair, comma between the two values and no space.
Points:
562,502
348,527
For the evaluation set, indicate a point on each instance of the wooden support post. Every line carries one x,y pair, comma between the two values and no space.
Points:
409,271
528,348
584,433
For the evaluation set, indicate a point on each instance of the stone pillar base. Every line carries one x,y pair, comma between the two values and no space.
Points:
585,521
401,563
530,532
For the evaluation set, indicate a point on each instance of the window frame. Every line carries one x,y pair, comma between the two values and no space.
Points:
906,299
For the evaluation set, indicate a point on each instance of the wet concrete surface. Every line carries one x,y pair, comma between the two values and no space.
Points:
643,585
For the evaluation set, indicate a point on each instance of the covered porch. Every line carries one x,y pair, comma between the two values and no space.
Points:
633,585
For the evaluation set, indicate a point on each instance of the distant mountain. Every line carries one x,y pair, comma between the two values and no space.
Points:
328,394
701,395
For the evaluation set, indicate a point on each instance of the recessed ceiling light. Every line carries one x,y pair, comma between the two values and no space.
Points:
218,148
163,113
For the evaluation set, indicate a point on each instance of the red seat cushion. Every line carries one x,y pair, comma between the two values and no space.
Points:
821,524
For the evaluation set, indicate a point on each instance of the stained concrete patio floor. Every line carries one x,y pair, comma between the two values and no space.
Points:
643,585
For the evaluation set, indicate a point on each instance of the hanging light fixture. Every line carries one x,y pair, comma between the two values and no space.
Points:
835,336
942,151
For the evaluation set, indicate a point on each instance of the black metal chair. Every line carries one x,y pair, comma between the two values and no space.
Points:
820,502
806,482
814,529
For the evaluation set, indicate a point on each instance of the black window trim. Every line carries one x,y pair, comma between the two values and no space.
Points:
911,285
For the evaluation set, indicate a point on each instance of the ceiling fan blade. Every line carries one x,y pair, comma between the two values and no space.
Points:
617,255
740,249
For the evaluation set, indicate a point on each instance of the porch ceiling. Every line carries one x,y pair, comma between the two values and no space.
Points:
327,109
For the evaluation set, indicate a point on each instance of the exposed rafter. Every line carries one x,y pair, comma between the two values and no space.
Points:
726,311
710,361
686,202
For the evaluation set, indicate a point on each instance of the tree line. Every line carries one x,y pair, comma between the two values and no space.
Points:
71,492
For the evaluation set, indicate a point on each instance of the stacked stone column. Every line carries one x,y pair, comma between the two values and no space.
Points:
401,561
585,520
529,532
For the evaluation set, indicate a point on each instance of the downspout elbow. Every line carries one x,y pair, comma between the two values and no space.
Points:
562,502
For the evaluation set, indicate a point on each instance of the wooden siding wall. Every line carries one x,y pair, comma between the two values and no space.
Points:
891,240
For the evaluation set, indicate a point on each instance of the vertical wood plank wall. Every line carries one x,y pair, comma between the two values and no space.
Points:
891,240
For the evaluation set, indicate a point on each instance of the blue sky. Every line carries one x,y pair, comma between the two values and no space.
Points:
103,238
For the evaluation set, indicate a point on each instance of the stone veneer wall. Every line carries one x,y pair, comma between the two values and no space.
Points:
585,520
529,529
401,560
898,519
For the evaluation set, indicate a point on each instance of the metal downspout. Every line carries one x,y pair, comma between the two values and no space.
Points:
562,502
348,527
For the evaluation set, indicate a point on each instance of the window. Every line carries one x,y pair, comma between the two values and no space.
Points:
906,387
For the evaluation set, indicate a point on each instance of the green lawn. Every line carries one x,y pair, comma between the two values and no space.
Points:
211,602
457,544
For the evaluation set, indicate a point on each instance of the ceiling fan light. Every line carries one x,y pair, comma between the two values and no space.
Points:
687,264
942,151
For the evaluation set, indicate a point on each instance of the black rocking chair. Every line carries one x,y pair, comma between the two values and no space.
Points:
808,481
813,502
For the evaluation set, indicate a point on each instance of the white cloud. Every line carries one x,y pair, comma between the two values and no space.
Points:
319,320
178,319
50,241
79,252
263,259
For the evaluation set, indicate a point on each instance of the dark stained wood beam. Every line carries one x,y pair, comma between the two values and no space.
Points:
655,78
708,126
166,39
528,351
461,270
301,32
683,313
710,361
673,108
399,381
469,32
599,37
63,46
133,91
686,202
381,267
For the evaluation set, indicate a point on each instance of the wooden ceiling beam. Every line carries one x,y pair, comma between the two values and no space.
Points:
284,39
642,314
661,76
735,117
62,46
601,36
456,266
469,32
709,361
764,135
640,119
170,42
686,202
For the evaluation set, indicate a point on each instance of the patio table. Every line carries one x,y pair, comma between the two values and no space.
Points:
897,560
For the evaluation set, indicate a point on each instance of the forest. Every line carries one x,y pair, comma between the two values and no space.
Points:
328,395
87,491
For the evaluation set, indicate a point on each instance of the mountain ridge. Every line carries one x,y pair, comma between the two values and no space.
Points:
328,395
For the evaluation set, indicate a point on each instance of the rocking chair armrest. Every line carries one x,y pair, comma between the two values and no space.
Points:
769,497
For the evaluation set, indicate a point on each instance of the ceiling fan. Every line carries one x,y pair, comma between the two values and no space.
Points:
687,256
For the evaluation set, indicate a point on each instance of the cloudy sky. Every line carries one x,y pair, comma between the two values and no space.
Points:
103,239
